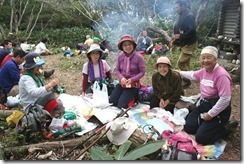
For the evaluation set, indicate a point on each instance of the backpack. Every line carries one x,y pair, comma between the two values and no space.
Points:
181,150
34,124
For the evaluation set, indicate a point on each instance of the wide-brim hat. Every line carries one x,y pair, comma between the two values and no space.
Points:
33,60
94,47
126,38
163,60
120,130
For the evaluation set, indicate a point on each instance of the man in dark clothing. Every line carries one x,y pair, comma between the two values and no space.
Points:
10,73
7,47
185,37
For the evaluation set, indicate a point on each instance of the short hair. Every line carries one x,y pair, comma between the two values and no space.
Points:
44,40
18,52
5,42
23,40
181,3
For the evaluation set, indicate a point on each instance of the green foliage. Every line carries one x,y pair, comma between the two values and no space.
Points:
98,153
60,37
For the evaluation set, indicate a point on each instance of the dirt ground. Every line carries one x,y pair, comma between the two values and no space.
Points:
69,72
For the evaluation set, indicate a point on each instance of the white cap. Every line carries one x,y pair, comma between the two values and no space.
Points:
210,50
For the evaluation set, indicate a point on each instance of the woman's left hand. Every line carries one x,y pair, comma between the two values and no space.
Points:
206,117
166,102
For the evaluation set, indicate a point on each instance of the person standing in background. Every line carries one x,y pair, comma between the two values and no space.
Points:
185,37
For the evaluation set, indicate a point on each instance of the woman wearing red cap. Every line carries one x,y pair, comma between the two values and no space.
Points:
130,68
167,86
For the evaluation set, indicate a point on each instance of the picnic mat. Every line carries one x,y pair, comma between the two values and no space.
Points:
160,119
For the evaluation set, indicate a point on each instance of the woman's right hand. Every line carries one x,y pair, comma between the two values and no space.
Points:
54,82
123,81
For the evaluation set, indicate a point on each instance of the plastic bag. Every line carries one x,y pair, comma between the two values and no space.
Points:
100,95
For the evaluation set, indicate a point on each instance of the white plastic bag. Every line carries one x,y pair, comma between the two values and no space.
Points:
100,96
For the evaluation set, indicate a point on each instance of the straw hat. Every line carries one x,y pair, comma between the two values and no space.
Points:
33,60
120,130
163,60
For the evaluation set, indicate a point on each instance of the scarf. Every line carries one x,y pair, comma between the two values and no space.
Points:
39,81
91,72
127,63
181,19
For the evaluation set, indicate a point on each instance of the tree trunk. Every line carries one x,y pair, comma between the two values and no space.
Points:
164,34
5,113
201,9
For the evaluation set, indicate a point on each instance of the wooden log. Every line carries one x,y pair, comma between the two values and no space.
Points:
47,145
162,33
5,113
137,138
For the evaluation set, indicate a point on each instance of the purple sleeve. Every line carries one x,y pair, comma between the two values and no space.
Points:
117,70
141,67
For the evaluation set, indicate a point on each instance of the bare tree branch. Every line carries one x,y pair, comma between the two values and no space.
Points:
37,17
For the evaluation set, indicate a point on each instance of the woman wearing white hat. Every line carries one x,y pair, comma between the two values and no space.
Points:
95,69
166,85
213,110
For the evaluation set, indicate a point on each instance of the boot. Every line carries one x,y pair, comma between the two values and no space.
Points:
186,83
49,73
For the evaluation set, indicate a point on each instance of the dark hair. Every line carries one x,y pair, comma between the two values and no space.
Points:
5,42
181,3
44,40
18,52
23,40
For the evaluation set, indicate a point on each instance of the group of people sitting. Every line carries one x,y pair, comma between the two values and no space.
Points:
212,112
16,63
93,41
207,121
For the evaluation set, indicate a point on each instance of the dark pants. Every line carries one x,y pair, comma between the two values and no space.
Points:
155,103
121,97
207,132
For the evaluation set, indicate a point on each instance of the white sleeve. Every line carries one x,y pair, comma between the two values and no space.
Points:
187,74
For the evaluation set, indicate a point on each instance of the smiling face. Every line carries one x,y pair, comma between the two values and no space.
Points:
95,55
163,69
208,61
128,47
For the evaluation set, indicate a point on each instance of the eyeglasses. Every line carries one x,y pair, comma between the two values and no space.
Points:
125,45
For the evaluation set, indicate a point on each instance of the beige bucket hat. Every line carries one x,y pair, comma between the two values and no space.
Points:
120,130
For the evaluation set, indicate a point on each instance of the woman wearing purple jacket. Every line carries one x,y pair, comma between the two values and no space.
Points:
130,68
